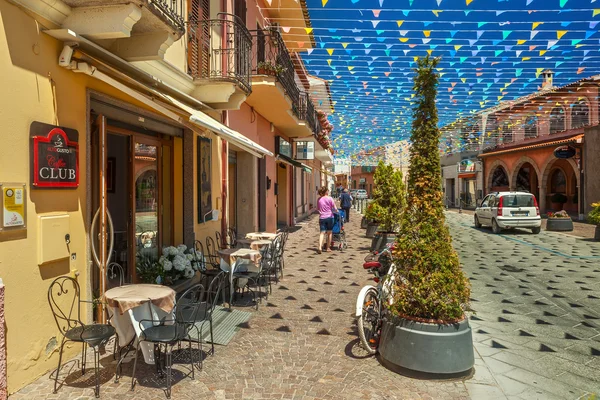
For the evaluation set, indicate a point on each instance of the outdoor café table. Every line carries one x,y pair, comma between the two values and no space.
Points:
231,261
261,236
254,244
129,304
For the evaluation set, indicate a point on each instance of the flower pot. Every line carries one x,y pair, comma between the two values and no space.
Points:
371,229
597,233
381,239
364,222
559,224
427,347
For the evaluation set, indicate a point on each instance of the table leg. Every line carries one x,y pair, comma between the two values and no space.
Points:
126,349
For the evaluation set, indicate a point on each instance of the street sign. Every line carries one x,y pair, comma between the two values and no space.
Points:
565,152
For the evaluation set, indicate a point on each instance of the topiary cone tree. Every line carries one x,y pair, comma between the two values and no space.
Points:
389,196
430,283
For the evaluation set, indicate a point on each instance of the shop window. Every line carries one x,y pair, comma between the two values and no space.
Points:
531,127
558,181
557,120
499,177
580,114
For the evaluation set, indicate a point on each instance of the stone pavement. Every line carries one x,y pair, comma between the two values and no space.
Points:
301,344
536,299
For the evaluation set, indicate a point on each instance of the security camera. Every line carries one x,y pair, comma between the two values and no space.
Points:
65,56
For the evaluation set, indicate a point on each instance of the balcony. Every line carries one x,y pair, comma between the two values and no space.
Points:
275,94
135,30
219,60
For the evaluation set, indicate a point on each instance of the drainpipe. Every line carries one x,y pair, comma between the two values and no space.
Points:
224,179
3,383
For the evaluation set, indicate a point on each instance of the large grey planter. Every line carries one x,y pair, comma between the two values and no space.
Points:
371,229
559,224
427,348
364,222
381,239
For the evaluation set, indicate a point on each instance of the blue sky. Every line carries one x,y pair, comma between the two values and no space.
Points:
491,51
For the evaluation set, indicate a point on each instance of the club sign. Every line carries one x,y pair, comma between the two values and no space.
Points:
54,156
565,152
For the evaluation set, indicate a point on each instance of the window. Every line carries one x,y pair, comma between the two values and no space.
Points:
557,120
558,182
530,127
499,177
580,114
518,200
485,202
507,133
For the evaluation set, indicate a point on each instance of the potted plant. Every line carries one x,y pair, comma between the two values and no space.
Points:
389,196
425,328
594,218
559,221
268,68
373,215
558,200
176,267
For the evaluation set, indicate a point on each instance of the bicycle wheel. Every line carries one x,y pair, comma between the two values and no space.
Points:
369,322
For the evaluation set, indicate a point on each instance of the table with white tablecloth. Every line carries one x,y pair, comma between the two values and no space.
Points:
261,236
128,305
239,260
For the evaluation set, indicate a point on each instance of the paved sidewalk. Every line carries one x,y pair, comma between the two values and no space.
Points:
301,344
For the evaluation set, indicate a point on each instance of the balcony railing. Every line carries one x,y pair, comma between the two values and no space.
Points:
308,113
172,10
270,57
219,49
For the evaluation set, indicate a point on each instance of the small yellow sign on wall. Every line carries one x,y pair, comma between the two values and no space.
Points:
13,210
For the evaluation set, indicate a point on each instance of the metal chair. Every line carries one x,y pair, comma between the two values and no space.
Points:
211,253
170,332
208,305
255,278
64,298
220,243
232,237
115,275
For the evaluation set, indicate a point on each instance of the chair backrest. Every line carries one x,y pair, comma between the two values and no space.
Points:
115,275
232,237
188,306
199,255
214,289
219,238
211,252
64,299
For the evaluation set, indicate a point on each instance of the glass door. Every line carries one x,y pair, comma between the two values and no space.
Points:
147,200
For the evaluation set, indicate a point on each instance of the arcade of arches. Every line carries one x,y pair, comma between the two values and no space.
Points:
554,182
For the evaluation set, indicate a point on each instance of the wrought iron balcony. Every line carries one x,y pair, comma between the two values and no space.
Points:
172,10
270,57
219,49
308,113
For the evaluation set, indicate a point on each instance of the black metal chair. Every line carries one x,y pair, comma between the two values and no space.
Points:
257,278
220,243
208,305
232,237
64,298
115,275
169,332
211,253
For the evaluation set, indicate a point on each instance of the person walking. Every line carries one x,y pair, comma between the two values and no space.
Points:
326,207
345,204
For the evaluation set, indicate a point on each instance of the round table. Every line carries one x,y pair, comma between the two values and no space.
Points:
229,262
129,304
254,244
261,236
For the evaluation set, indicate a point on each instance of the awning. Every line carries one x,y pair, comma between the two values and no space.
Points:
306,168
574,139
468,175
236,138
288,160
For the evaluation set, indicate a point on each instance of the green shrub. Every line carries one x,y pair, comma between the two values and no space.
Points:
430,282
389,197
594,215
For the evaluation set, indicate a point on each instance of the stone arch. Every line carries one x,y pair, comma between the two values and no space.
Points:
518,165
490,173
548,167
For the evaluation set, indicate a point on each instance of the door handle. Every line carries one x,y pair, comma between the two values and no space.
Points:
111,238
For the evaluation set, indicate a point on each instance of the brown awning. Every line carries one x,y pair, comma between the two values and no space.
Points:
553,143
469,175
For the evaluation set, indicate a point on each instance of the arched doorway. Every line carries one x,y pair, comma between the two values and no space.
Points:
561,186
527,180
499,179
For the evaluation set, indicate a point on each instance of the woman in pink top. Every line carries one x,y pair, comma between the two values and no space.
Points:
326,207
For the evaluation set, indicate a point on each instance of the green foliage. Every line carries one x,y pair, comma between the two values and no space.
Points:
374,212
594,215
558,198
389,197
430,282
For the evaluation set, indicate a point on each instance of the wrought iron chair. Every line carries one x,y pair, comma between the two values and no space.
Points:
115,275
232,237
208,305
64,298
220,243
257,278
211,253
169,332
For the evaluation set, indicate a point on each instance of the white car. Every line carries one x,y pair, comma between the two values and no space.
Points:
361,194
508,210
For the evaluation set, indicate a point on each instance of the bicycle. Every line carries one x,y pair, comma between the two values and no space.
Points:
369,304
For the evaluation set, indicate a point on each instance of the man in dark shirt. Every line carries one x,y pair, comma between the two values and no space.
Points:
346,203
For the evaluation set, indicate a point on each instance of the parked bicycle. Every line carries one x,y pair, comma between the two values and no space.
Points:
370,307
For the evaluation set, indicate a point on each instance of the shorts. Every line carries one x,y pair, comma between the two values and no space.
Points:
326,224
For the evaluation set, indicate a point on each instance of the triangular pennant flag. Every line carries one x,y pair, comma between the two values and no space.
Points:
330,51
324,2
308,30
399,23
376,13
560,34
375,23
535,25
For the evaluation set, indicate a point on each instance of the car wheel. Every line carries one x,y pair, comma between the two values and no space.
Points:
477,223
535,231
495,227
